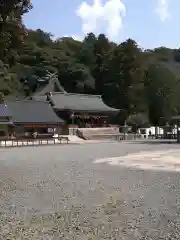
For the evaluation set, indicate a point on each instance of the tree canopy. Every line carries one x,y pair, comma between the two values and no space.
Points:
144,84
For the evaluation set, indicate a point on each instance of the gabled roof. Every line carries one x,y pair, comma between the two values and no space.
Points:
50,87
78,102
30,111
71,101
4,111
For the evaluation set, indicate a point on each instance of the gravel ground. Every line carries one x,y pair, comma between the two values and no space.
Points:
57,192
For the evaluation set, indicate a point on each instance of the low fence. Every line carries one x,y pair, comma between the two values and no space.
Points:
32,142
128,137
65,140
131,136
116,137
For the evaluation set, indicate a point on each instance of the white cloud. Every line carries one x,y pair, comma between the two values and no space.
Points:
75,37
163,10
98,17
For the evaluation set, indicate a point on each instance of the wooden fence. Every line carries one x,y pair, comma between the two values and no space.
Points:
21,142
32,142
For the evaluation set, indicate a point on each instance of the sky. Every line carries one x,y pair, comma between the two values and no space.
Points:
151,23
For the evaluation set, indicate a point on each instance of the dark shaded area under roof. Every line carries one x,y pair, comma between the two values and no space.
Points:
30,111
78,102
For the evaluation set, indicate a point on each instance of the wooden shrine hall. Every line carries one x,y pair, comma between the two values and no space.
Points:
83,110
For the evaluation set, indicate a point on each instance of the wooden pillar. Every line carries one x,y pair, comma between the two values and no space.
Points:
178,131
80,120
97,122
91,121
83,121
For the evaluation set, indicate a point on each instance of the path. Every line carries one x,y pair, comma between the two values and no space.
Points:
167,160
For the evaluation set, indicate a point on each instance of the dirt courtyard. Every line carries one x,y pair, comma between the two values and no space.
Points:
91,191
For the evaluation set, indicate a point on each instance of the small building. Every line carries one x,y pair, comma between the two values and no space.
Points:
5,120
151,131
176,121
30,116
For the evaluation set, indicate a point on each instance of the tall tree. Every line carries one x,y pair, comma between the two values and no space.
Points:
75,77
12,30
101,48
162,91
9,83
124,76
86,54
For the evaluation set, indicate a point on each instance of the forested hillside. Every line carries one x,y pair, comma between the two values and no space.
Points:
144,84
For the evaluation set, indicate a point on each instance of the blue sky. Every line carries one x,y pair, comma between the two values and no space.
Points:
151,23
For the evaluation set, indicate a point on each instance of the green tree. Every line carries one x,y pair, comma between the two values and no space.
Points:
9,82
1,97
101,49
177,55
124,78
138,120
86,53
12,30
75,77
162,91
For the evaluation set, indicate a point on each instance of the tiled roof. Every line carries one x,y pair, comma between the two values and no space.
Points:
78,102
30,111
72,101
4,110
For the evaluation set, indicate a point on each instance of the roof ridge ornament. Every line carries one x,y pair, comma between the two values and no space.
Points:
53,79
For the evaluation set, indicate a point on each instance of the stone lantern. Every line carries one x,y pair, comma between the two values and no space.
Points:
125,128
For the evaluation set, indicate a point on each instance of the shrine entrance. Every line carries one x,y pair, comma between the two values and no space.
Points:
89,121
